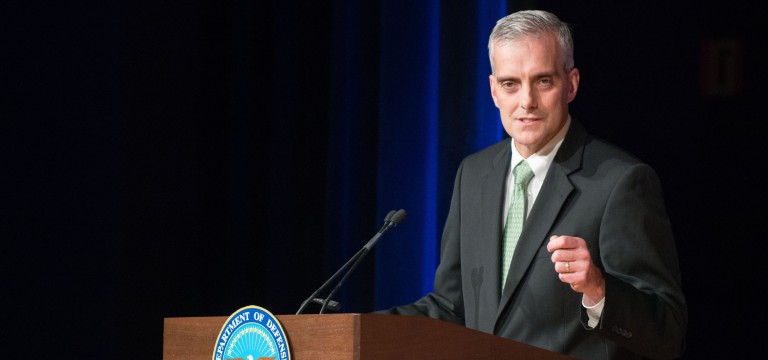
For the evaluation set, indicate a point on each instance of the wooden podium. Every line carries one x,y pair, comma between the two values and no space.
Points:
356,337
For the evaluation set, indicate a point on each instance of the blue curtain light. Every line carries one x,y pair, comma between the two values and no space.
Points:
435,108
407,161
487,120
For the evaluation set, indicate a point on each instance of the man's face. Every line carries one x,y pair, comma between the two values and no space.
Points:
532,90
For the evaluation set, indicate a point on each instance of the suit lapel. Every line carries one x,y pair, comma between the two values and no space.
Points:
554,193
493,196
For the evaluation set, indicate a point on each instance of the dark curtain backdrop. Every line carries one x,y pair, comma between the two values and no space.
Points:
167,159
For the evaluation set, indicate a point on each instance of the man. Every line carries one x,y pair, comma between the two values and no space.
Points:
594,271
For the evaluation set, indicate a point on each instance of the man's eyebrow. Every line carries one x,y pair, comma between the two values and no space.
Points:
542,74
505,78
538,75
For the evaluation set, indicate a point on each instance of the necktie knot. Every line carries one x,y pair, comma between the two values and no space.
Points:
523,174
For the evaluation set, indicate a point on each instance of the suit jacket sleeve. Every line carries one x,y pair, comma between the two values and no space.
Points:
645,309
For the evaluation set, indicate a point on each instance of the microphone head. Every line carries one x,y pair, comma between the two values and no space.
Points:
389,216
398,217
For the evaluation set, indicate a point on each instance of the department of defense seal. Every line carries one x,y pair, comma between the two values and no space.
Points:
252,333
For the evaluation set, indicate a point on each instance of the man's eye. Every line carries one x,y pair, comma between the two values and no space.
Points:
508,84
545,81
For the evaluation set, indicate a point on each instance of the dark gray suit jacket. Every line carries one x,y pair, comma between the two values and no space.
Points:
595,191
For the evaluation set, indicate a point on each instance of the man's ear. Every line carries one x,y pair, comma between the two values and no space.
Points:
573,79
492,82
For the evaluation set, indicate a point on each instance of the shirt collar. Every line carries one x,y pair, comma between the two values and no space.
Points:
540,161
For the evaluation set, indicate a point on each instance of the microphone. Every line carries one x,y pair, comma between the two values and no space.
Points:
392,219
313,298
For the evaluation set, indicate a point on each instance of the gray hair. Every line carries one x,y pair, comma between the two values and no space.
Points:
524,23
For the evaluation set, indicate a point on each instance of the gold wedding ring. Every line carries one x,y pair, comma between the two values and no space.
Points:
567,266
